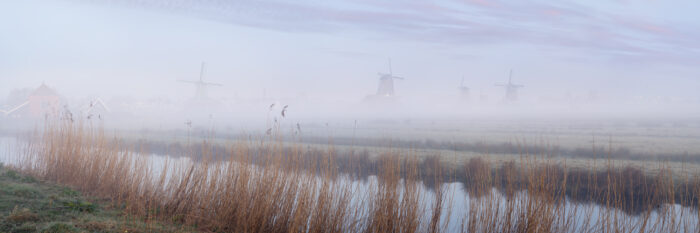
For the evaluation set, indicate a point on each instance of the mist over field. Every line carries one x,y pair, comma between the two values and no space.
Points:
574,59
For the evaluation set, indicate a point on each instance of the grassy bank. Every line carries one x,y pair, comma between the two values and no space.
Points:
31,205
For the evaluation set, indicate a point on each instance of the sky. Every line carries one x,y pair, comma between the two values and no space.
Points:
332,50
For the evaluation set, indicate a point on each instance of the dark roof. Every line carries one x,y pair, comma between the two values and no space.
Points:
44,90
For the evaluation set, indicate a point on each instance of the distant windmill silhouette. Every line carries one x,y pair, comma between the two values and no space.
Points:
386,82
201,92
463,90
511,88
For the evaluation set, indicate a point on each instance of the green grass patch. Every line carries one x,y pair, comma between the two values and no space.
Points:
31,205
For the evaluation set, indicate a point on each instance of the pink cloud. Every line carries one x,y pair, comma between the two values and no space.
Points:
485,3
560,24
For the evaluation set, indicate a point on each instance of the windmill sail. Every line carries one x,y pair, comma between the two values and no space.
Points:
201,85
511,88
463,90
386,82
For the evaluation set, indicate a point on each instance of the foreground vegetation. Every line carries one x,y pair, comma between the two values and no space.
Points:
265,186
31,205
588,182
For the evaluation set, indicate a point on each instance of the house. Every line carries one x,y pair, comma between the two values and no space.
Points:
43,101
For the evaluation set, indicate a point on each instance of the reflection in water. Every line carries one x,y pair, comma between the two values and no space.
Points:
8,150
465,198
640,188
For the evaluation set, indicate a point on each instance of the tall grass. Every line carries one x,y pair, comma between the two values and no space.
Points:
272,187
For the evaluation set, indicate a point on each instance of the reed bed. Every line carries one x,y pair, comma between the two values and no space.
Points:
268,186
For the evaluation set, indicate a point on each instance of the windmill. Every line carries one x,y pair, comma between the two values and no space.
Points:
201,92
386,83
511,88
463,90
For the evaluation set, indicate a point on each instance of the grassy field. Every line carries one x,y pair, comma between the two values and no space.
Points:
640,142
30,205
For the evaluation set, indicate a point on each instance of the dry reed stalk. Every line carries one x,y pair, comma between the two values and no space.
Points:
284,190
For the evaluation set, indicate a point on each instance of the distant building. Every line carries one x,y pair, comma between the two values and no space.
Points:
43,101
94,108
40,102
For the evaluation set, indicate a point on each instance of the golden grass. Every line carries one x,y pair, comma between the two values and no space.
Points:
280,190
